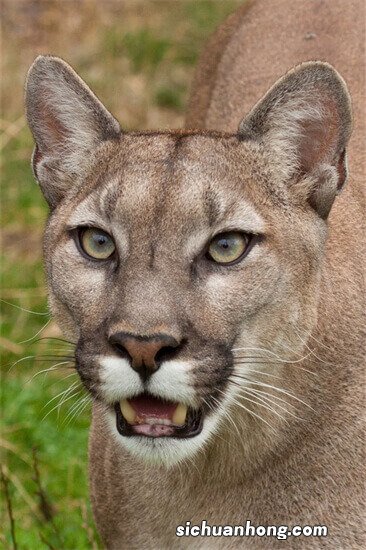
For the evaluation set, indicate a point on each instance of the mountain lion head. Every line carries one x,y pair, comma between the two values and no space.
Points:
186,264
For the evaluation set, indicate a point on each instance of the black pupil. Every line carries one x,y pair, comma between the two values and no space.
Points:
224,243
101,239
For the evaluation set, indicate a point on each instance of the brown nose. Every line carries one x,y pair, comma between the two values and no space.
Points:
145,352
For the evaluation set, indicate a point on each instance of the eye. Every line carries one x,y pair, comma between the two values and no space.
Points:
96,243
227,248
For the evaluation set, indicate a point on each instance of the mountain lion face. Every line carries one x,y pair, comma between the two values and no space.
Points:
182,263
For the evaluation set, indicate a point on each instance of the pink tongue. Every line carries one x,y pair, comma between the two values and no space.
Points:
147,406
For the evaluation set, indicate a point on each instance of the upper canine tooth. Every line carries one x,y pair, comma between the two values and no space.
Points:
180,414
127,411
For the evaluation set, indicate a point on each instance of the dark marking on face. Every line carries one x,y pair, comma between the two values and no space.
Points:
211,206
152,255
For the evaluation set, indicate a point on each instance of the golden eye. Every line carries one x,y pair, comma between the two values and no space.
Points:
226,248
96,243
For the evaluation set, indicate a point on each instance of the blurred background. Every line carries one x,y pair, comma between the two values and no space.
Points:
139,58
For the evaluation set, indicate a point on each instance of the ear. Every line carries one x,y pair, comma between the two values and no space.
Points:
67,121
304,122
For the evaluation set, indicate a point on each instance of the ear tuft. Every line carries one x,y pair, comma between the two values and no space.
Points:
67,121
305,121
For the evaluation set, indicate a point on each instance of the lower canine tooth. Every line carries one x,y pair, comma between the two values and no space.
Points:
180,414
127,411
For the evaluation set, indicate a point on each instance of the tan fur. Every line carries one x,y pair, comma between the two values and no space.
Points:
298,294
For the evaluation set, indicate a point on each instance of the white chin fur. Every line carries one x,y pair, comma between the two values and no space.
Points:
164,450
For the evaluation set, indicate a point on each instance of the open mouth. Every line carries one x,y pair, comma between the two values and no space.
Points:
153,417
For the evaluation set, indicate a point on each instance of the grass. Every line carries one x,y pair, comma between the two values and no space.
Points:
143,48
139,57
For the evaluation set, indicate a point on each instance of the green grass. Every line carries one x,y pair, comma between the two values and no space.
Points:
170,97
60,444
61,458
22,201
28,423
144,49
140,62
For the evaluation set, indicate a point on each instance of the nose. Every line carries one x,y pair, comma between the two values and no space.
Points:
145,352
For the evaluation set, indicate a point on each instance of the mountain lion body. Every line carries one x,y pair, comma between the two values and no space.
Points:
262,353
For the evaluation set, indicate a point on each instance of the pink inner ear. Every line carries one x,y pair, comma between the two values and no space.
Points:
54,132
320,136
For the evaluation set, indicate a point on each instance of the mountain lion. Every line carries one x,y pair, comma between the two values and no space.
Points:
211,280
